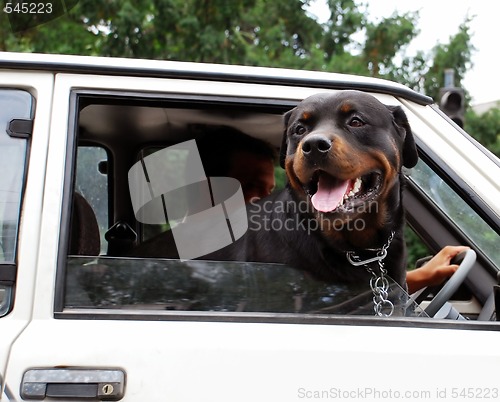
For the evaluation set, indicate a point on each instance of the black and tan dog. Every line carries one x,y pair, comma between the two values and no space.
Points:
343,154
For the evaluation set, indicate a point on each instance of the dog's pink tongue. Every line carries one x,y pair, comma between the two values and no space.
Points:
330,193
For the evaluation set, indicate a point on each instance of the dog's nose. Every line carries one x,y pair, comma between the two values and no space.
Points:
316,145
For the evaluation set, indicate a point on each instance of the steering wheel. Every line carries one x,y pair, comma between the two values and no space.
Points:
465,261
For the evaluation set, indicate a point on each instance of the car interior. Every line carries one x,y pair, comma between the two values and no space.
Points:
113,131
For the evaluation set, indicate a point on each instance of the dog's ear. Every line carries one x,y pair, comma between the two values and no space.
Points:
410,155
283,149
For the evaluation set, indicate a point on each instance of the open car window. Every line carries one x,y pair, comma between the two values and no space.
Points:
104,228
102,276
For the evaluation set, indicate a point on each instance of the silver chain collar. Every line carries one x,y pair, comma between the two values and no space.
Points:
379,284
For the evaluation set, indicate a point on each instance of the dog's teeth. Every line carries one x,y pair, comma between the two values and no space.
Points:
357,186
355,189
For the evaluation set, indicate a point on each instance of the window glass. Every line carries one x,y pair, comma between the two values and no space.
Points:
415,247
173,165
458,211
92,184
215,286
14,104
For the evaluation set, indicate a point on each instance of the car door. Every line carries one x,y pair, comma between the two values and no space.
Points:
72,345
22,156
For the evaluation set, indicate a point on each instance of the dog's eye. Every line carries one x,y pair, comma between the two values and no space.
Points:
356,122
300,130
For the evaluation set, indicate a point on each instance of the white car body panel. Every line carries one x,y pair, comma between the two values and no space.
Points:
186,361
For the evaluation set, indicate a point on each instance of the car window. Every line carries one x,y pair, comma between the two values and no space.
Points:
110,278
215,286
97,279
464,217
173,165
92,184
15,117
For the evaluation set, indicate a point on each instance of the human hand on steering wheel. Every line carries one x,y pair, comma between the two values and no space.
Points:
436,270
464,260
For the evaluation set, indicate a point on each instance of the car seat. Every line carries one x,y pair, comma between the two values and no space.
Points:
85,237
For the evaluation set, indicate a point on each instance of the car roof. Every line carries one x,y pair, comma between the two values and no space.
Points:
204,71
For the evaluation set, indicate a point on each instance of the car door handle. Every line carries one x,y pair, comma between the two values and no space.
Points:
73,383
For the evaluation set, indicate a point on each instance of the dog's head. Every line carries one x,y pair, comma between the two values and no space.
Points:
343,155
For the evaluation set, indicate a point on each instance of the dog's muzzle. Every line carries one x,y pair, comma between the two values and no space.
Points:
316,146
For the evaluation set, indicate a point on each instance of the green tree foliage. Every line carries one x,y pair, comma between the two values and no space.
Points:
456,54
485,128
280,33
385,40
346,19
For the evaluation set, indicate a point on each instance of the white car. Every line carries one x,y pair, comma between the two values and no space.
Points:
79,320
